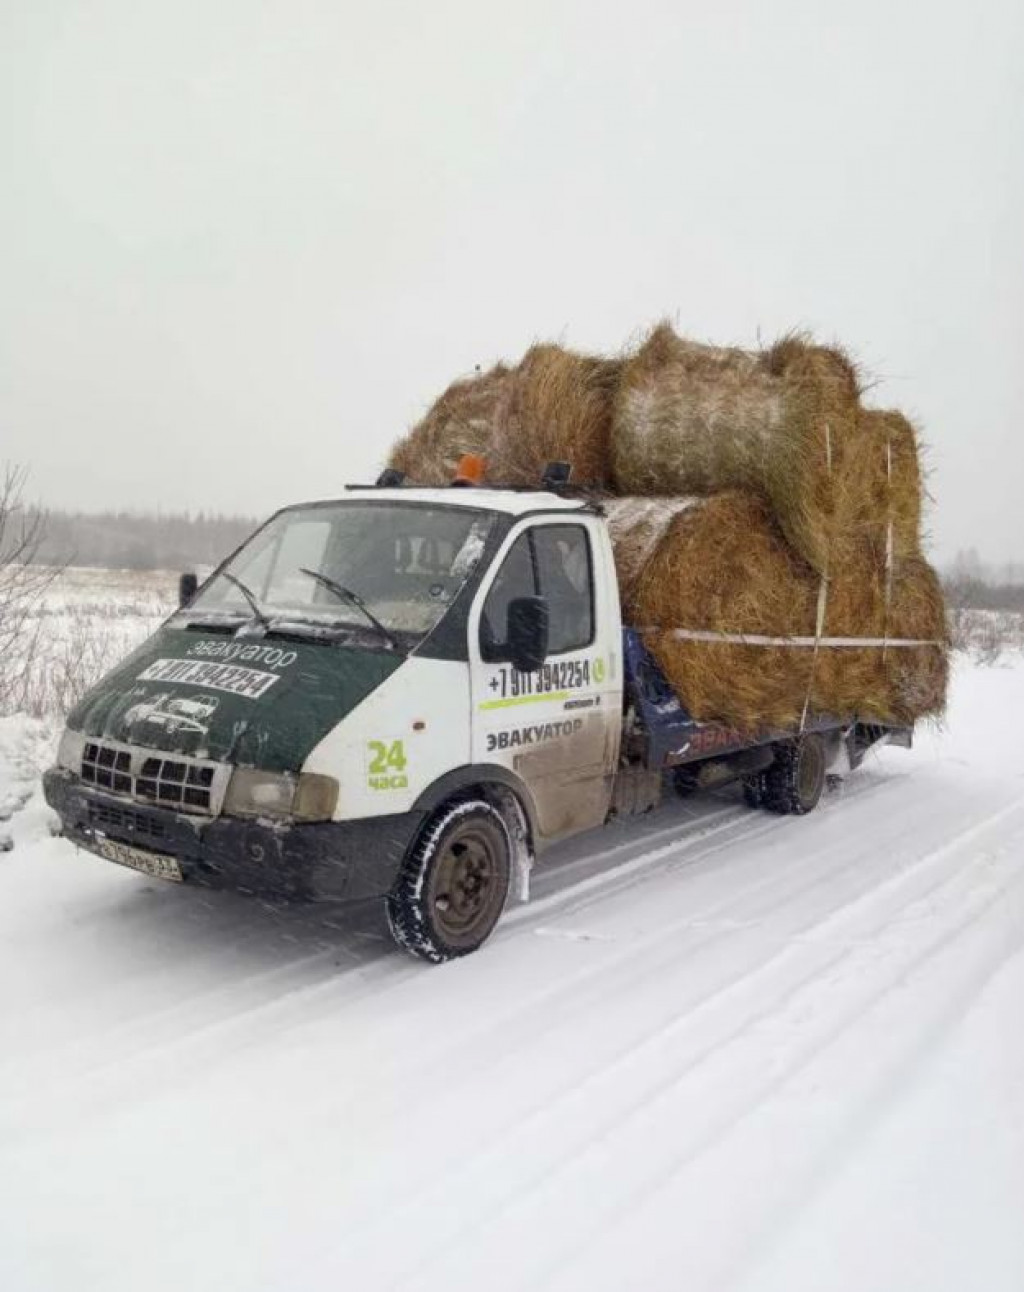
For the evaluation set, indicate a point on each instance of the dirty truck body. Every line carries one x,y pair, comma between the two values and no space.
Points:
407,695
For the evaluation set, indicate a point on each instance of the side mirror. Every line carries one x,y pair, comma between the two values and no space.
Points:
527,634
188,586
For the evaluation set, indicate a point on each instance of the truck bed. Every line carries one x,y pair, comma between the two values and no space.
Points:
661,734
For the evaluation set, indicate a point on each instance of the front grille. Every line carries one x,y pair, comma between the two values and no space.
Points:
150,777
110,769
168,780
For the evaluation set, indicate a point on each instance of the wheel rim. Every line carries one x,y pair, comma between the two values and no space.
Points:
467,888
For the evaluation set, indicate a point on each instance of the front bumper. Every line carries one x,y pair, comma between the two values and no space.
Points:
333,860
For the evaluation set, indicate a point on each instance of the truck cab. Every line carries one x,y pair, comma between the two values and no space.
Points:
405,694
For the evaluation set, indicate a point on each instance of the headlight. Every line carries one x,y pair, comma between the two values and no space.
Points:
69,751
306,797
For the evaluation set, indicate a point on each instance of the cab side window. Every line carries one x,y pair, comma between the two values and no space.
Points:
516,578
552,561
566,580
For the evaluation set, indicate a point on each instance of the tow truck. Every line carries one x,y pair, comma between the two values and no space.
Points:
406,695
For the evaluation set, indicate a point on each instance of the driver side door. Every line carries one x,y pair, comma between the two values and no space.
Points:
557,727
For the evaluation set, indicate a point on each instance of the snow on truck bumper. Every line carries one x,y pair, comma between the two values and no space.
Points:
337,860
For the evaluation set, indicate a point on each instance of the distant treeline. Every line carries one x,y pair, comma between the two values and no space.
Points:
971,583
965,593
124,540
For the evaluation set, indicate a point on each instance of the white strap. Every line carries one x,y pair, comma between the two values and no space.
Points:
759,639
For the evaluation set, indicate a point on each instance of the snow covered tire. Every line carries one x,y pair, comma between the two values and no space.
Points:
796,780
454,883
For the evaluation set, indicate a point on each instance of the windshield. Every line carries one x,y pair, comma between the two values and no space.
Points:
404,562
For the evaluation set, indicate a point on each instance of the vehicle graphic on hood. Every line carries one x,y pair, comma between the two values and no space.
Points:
173,713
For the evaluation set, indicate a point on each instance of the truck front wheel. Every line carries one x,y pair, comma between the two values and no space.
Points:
795,781
453,885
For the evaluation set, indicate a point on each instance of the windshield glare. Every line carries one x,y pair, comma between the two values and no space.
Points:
405,562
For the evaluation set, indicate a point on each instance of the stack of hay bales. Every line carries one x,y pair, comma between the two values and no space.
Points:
766,525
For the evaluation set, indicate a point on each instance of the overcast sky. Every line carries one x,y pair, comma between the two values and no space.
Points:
244,244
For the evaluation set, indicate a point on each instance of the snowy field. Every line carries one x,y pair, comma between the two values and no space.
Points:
86,620
717,1050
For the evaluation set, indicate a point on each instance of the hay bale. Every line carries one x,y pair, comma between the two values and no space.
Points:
723,566
720,565
559,410
698,419
461,421
916,679
850,679
637,527
555,405
883,466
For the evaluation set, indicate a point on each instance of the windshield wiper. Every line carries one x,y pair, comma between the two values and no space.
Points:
249,596
353,599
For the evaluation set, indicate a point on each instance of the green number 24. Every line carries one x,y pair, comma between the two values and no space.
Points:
386,756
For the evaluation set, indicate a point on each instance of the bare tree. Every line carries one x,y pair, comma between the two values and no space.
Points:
22,581
960,588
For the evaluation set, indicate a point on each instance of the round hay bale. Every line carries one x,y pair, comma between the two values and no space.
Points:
461,421
637,527
884,683
559,410
849,680
698,419
722,566
869,599
881,485
917,678
554,406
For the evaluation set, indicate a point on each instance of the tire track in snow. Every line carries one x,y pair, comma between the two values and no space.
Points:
629,1202
490,1167
636,952
145,1068
390,974
488,1163
879,1104
638,868
392,970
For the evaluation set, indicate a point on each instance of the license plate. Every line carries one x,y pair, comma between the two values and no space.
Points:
149,863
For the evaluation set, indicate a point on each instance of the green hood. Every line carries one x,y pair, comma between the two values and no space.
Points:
259,702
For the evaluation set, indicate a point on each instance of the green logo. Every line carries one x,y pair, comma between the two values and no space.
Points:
386,769
599,670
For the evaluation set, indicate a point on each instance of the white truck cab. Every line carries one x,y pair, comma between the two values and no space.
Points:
366,686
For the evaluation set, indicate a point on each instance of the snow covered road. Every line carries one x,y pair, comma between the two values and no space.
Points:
717,1050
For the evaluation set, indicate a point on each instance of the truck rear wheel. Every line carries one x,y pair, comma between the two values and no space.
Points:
454,883
796,780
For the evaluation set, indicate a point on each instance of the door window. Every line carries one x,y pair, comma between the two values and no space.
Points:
552,561
563,567
516,578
